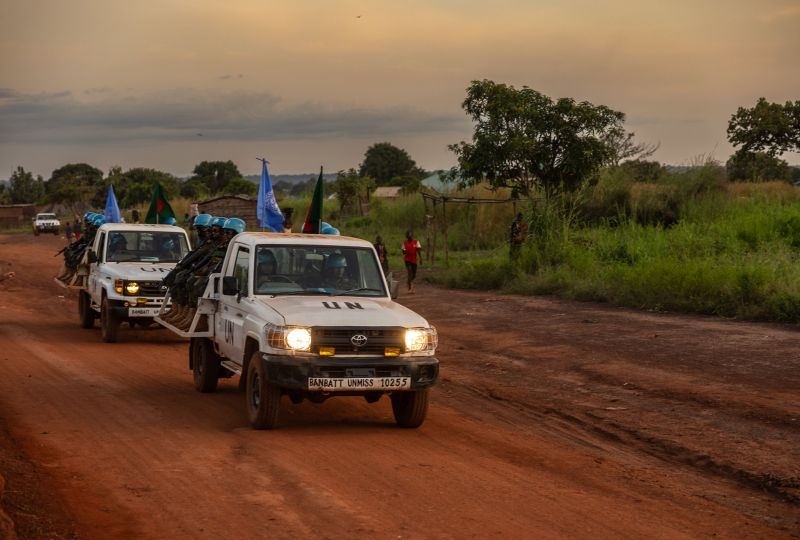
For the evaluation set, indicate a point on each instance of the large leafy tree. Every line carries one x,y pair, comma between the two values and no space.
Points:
770,128
134,186
23,188
216,174
385,162
523,140
73,183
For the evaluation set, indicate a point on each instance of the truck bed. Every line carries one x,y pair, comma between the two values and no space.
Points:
206,308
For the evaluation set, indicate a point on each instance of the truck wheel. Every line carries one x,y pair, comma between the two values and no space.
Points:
410,408
263,397
205,366
85,311
108,323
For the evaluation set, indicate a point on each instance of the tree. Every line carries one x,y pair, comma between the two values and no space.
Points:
384,162
641,170
194,189
770,128
240,186
625,149
351,189
135,186
216,174
757,167
73,183
23,188
523,140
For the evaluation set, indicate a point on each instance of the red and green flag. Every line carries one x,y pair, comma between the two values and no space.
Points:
314,216
160,210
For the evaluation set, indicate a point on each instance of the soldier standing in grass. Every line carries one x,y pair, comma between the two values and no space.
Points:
519,231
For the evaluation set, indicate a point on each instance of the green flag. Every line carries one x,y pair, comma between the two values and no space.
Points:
160,210
314,216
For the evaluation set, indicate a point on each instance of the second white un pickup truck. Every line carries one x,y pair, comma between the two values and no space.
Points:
121,280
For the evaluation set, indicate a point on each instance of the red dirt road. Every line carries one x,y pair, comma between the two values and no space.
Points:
551,420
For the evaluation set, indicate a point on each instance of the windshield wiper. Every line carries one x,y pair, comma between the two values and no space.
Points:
360,289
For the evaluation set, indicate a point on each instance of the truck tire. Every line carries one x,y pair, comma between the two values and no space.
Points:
410,408
263,397
205,366
109,324
85,311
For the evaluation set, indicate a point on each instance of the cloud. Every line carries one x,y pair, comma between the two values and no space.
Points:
103,115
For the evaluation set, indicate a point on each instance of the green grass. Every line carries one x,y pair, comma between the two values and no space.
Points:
733,251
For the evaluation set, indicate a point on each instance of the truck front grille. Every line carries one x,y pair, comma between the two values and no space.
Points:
358,341
152,288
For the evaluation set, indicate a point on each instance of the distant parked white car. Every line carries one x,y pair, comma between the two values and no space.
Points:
46,222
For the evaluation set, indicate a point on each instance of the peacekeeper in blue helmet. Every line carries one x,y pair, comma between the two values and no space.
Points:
222,230
201,226
177,280
75,253
335,276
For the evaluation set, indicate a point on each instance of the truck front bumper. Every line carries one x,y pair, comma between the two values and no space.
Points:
351,375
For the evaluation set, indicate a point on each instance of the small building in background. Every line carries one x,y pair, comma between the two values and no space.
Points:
13,216
387,192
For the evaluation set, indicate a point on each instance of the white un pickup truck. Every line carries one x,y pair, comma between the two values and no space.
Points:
124,279
309,317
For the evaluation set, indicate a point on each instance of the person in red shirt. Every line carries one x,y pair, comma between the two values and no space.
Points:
411,249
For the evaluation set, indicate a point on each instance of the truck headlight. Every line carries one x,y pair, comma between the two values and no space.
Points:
298,339
294,338
130,288
421,339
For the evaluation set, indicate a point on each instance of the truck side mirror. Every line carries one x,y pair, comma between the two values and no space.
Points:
229,286
394,286
91,257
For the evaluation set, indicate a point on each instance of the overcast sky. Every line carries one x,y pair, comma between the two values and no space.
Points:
307,83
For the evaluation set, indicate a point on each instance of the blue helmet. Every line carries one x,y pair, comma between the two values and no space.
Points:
336,260
118,240
219,222
170,221
234,224
203,220
98,220
266,257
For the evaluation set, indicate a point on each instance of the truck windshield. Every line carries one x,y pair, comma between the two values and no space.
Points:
146,246
293,269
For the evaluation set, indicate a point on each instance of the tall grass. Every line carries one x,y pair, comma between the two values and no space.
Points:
690,242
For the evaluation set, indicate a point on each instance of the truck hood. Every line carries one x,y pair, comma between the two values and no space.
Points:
137,271
343,311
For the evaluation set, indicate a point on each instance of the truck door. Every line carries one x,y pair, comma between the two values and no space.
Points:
234,308
92,283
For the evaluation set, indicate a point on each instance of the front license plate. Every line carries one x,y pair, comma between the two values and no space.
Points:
329,384
142,311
